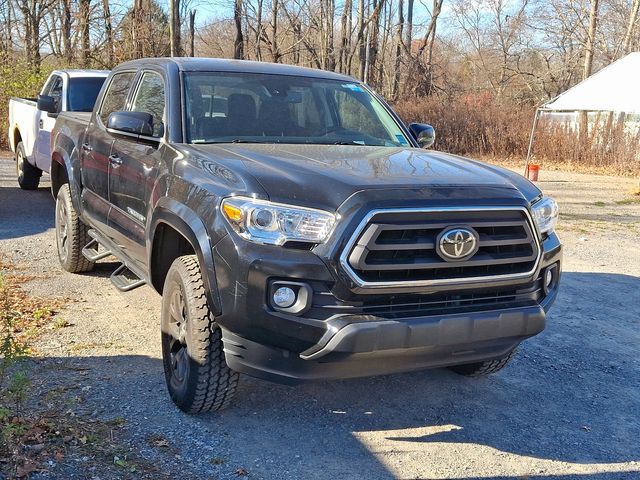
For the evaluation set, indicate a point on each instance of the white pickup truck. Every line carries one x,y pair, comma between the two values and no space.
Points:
31,119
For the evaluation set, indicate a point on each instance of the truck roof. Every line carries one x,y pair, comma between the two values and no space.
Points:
78,73
188,64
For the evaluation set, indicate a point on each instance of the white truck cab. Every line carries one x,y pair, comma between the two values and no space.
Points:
30,128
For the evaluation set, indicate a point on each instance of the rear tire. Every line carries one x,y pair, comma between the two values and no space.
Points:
195,368
71,234
481,369
28,175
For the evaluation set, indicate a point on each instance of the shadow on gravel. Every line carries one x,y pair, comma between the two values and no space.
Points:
24,212
570,395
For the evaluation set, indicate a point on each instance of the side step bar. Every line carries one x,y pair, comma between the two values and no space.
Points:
91,250
124,279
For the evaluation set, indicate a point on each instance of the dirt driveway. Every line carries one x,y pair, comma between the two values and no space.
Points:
567,407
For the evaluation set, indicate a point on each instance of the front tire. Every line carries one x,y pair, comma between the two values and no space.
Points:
28,175
195,368
481,369
71,234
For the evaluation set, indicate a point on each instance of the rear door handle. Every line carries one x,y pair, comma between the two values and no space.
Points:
115,160
86,147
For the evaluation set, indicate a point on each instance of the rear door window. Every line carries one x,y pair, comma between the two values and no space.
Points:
115,97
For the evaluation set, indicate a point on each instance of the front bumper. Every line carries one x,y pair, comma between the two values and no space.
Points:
286,348
384,347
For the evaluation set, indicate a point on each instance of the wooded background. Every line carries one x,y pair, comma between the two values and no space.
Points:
473,68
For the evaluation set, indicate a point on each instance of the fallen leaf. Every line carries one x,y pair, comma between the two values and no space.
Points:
26,468
160,442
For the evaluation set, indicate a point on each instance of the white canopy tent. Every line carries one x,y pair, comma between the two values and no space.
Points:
615,88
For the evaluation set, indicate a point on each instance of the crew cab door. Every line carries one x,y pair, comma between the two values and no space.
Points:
133,169
44,124
95,149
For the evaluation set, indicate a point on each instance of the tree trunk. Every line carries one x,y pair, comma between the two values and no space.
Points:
275,54
297,36
331,12
374,39
174,28
398,59
66,31
85,48
192,33
345,35
360,43
238,50
258,35
626,44
108,29
591,36
138,22
409,26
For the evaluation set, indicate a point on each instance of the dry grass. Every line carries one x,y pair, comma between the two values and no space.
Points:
31,314
479,126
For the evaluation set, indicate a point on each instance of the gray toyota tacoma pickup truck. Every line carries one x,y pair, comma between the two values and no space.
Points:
296,228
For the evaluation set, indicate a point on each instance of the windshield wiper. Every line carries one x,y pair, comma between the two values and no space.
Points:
235,140
344,142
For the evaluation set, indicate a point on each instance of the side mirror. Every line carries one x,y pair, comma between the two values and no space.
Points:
424,134
134,123
47,104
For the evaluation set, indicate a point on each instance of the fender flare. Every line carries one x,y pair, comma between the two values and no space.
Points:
63,158
14,134
186,222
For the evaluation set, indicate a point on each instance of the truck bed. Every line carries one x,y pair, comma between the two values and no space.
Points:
27,100
77,117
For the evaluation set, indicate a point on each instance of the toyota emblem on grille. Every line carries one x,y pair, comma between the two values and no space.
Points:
457,243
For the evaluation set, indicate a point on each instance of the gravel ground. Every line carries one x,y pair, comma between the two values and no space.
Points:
567,407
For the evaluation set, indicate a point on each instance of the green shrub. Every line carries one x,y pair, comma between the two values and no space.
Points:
17,81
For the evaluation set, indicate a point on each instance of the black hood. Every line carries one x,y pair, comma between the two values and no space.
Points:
324,176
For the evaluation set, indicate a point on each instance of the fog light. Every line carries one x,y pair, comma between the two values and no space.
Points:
284,297
550,278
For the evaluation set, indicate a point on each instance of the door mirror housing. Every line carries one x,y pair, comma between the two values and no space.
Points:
424,134
47,104
131,124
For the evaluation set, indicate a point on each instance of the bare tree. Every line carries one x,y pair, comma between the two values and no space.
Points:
238,51
33,13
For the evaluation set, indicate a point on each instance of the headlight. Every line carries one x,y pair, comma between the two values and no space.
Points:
276,223
545,212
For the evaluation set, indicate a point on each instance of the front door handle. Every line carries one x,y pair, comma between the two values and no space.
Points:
86,147
40,124
115,160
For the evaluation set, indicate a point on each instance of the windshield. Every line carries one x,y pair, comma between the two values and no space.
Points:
83,92
261,108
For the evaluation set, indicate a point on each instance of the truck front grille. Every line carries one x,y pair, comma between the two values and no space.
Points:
399,247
